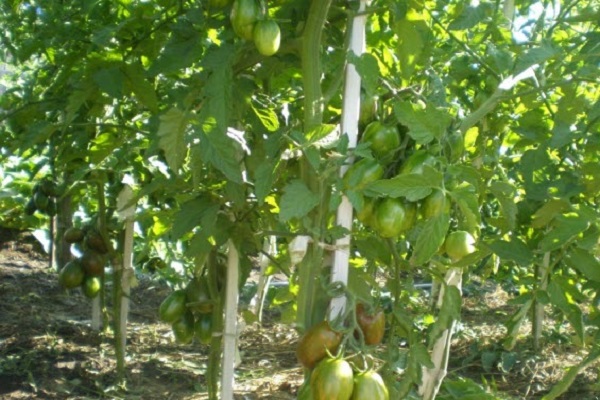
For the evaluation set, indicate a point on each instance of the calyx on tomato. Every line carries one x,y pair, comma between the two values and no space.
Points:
394,216
361,173
332,379
267,37
244,15
315,343
369,386
459,244
384,139
372,324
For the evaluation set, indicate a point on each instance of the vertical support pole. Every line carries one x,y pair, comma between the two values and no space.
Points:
230,327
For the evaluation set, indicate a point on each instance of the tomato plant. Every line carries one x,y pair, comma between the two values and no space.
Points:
393,217
315,343
331,379
362,173
372,324
459,244
434,204
183,328
244,15
219,3
203,328
267,37
72,274
173,306
384,139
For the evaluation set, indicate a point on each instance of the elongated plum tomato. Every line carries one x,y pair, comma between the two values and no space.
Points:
361,173
203,328
314,343
393,216
371,324
367,212
415,163
244,15
183,328
369,386
459,244
384,139
172,307
434,204
267,37
332,379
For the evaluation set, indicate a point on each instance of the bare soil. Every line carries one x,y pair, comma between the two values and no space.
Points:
49,351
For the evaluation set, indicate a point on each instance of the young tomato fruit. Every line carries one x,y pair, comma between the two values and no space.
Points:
332,379
394,216
384,139
372,325
267,37
314,343
459,244
244,15
369,386
361,173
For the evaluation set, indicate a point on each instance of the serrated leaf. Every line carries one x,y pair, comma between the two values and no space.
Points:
585,263
144,91
110,81
466,198
573,313
412,186
267,117
297,201
536,55
421,355
411,44
264,177
430,239
566,228
181,51
191,214
368,69
548,212
505,194
515,250
171,137
469,17
424,125
448,313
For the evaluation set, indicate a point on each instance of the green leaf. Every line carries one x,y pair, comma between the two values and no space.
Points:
566,228
412,37
171,137
181,51
557,296
297,201
267,117
536,55
505,194
367,67
548,212
110,81
412,186
514,324
430,239
470,17
421,355
264,176
515,250
563,385
585,263
143,90
466,198
191,215
424,125
448,314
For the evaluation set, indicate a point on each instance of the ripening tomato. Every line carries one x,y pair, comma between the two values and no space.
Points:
314,343
361,173
369,386
372,324
267,37
244,15
332,379
434,204
384,139
394,216
459,244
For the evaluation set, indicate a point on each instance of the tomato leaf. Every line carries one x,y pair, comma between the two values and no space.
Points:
143,90
548,212
181,51
412,186
557,296
191,214
368,69
467,199
585,263
430,239
514,323
505,194
267,117
515,250
448,314
264,177
297,201
424,124
567,227
171,134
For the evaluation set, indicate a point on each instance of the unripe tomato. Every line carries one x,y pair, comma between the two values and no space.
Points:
91,286
314,343
371,324
267,37
219,3
72,274
394,216
203,328
366,214
459,244
197,296
369,386
332,379
361,173
414,164
172,307
384,139
368,108
183,328
244,15
434,204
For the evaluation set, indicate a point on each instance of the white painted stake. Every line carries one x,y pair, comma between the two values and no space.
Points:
350,113
269,247
230,332
126,211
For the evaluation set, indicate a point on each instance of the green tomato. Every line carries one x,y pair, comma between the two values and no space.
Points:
434,204
394,216
384,139
368,108
219,3
361,173
459,244
183,328
414,164
369,386
91,286
332,379
366,214
172,307
203,328
267,37
244,15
